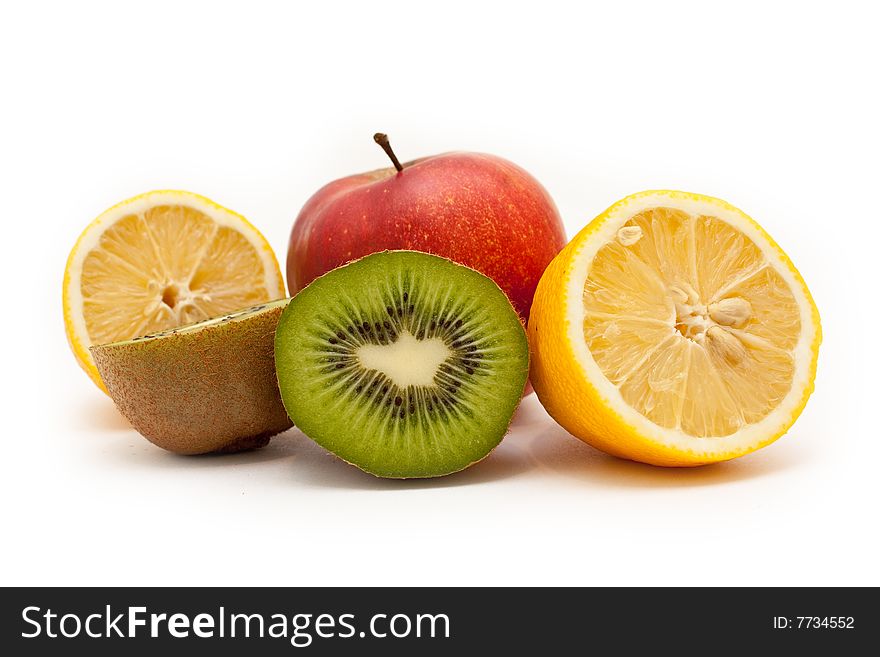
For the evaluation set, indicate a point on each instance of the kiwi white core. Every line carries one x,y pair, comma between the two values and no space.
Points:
407,361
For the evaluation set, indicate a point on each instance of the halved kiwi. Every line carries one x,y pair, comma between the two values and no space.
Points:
402,363
205,387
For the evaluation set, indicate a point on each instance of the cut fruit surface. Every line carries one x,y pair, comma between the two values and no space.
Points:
673,330
402,363
161,260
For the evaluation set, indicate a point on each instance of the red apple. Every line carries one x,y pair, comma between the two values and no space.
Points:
478,210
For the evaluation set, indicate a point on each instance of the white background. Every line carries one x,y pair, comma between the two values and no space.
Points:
772,106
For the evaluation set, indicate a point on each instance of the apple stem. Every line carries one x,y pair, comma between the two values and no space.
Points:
382,139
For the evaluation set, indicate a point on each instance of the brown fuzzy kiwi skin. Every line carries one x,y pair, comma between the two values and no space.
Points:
200,391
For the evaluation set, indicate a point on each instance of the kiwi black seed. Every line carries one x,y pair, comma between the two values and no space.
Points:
404,395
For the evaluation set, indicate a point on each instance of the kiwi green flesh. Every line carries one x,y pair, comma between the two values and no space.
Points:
402,363
203,388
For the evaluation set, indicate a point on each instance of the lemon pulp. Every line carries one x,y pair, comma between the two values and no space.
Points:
685,316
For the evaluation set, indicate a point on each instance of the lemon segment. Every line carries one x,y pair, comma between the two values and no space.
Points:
673,330
158,261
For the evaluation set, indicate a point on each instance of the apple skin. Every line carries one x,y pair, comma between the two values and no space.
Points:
478,210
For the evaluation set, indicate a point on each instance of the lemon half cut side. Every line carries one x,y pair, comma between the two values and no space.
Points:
161,260
673,330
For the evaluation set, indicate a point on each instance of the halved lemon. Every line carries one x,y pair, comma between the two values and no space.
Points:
673,330
160,260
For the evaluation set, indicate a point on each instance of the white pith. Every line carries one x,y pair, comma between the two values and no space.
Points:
694,317
407,361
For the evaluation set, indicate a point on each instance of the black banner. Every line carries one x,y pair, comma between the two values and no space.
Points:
319,621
